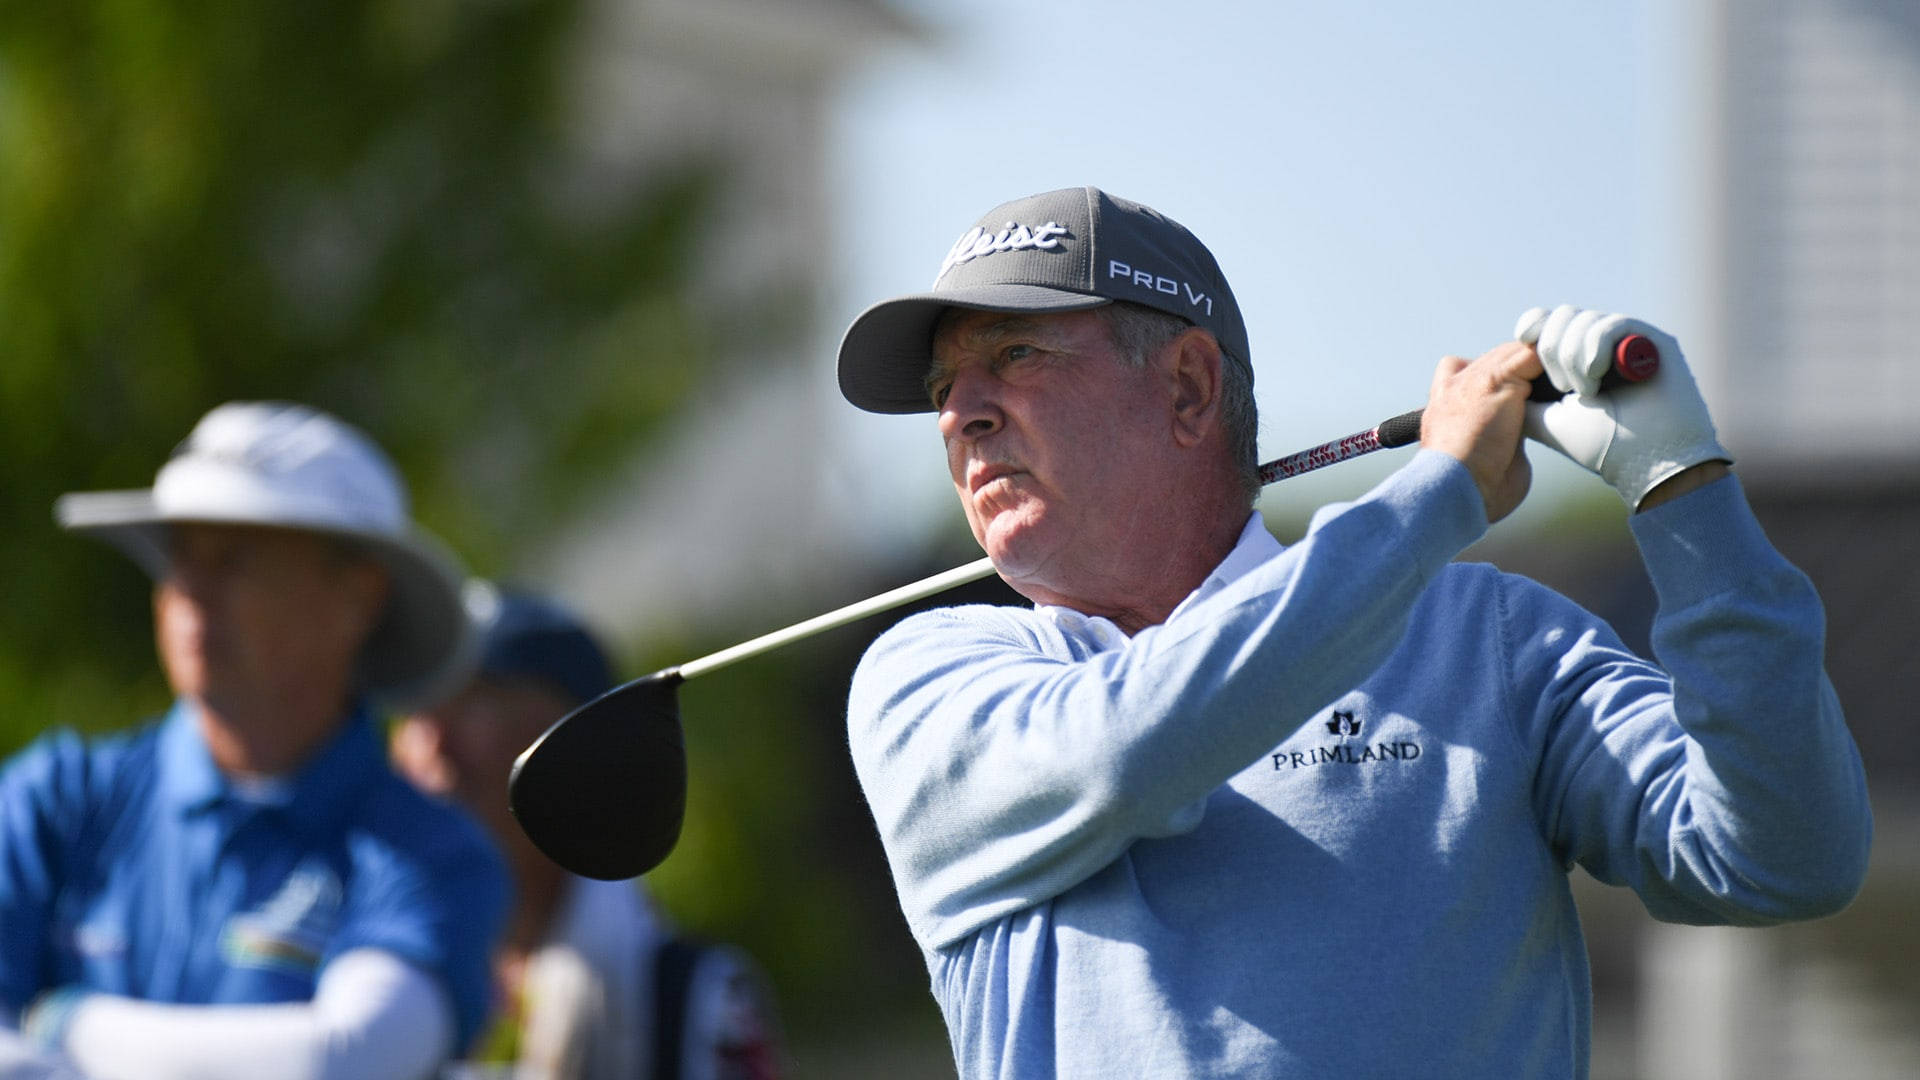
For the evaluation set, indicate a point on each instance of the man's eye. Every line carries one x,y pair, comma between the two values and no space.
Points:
1013,354
938,392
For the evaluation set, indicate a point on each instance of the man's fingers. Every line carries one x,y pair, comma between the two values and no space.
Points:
1444,371
1475,413
1503,370
1512,362
1501,374
1516,361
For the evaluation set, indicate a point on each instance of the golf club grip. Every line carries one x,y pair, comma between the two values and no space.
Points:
1399,430
1404,430
1635,359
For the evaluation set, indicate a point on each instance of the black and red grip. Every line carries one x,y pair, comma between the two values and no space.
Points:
1635,359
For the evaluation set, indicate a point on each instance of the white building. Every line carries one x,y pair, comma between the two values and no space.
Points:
1809,201
1810,194
727,512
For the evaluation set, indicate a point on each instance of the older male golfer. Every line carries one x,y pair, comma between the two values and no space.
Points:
243,888
1215,807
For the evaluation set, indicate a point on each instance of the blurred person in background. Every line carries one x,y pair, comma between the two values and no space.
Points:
243,888
595,984
1217,806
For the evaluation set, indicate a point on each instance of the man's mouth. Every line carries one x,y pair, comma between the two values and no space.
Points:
986,474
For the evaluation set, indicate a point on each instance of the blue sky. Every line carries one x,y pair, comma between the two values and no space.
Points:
1383,183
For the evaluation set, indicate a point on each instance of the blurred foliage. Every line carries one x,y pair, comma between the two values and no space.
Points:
364,206
356,205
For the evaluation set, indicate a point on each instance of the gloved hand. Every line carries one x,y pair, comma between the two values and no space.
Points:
1635,436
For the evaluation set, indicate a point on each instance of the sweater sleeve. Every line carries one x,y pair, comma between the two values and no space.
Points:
1001,774
1721,785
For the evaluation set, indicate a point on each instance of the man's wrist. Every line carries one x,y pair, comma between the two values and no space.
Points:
1688,479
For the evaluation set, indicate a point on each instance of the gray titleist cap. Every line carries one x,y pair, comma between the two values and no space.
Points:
1066,250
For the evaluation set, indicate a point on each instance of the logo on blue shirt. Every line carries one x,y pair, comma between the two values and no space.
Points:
290,930
1345,725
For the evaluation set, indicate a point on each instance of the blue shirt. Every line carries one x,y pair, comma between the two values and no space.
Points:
1320,821
131,865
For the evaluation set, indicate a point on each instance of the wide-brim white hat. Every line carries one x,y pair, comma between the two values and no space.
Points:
289,466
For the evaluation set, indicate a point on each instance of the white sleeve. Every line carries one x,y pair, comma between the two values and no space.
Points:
21,1060
372,1016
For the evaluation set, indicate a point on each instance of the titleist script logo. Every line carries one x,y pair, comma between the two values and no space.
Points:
1345,725
1160,283
1013,237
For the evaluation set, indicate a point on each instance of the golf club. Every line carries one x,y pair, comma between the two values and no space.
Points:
603,791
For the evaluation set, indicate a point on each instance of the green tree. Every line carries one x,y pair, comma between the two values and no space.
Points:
356,205
361,206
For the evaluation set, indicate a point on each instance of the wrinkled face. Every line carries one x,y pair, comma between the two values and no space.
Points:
463,748
1053,440
247,615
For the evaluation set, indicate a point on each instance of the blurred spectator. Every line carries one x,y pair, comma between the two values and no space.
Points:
596,984
243,888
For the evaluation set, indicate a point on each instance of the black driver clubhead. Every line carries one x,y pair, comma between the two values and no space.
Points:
604,790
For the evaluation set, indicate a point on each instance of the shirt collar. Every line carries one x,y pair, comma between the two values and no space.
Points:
188,777
322,791
1255,546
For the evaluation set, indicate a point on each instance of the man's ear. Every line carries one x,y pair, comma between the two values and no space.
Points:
1192,366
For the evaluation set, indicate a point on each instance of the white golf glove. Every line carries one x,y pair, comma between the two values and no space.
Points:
1636,435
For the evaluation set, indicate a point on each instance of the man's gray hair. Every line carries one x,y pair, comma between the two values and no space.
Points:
1139,331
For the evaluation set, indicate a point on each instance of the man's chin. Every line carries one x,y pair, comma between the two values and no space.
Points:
1015,554
1002,548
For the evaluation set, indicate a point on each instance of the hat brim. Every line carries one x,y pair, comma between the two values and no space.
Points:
885,353
422,649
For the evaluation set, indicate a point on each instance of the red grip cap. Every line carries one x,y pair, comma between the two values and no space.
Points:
1636,358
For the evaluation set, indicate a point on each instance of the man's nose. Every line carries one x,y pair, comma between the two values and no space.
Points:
971,410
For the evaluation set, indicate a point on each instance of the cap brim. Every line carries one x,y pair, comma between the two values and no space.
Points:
885,353
422,649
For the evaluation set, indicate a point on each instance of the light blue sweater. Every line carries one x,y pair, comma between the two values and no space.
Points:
1319,823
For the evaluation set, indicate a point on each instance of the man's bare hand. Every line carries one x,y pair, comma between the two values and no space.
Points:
1475,412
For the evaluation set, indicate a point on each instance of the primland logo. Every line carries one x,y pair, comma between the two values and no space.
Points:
1346,726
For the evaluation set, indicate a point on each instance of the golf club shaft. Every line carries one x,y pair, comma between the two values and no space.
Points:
905,594
1398,431
1634,360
